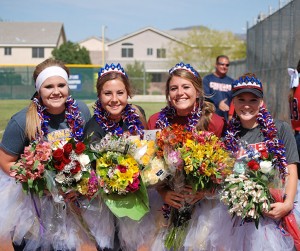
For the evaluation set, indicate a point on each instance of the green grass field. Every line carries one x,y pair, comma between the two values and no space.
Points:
10,107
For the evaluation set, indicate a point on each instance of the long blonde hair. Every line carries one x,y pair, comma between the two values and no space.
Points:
33,122
207,108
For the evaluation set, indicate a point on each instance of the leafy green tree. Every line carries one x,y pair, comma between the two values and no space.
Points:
72,53
139,79
202,45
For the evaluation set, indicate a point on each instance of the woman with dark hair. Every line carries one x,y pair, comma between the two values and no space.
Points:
113,114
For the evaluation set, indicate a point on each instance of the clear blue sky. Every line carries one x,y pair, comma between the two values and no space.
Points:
85,18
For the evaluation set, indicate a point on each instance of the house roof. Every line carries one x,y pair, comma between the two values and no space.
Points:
31,33
143,30
94,37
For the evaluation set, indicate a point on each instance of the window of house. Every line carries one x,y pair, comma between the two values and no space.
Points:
38,52
149,51
127,50
7,51
161,53
156,77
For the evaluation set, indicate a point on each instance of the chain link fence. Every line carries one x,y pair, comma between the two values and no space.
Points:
273,46
16,82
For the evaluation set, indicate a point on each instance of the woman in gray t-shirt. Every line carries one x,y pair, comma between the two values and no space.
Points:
34,222
253,124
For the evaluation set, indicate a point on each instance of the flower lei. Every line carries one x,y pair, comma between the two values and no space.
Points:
129,116
72,115
168,113
269,131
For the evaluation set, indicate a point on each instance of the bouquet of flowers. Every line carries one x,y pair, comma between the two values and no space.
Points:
246,191
119,177
71,163
194,158
206,160
29,169
63,166
153,168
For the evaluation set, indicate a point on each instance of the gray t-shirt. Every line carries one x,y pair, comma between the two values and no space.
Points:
285,134
14,139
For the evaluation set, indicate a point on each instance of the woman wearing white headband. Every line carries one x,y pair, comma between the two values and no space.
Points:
52,115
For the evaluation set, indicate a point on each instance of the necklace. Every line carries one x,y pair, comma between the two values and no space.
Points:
72,115
169,112
128,115
269,131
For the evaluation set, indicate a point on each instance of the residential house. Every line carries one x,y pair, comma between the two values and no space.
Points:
95,46
150,46
29,42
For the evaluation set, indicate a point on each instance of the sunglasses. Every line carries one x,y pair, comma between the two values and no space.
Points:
223,64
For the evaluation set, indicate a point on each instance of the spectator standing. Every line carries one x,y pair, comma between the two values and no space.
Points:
217,86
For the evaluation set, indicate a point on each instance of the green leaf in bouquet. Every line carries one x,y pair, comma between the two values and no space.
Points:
133,205
25,187
85,175
248,206
30,183
35,165
231,185
241,185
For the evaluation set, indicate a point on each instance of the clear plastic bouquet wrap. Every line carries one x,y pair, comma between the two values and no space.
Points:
195,158
246,192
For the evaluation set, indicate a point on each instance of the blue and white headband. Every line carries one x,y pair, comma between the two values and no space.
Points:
50,72
183,66
247,84
111,68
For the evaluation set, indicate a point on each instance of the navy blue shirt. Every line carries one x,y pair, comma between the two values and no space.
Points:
217,89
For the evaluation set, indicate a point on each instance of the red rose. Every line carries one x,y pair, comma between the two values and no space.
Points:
253,165
122,168
66,159
68,149
59,166
264,154
76,168
80,147
58,154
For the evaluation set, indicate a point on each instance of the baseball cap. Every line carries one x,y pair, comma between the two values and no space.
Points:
247,84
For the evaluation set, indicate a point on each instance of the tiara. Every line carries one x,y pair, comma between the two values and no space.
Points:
184,66
110,68
247,82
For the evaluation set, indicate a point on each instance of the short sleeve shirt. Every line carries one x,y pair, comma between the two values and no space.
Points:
14,139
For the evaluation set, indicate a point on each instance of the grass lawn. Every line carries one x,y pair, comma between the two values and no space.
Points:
9,107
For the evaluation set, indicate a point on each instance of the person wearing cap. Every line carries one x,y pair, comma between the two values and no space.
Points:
187,106
254,125
113,114
45,119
